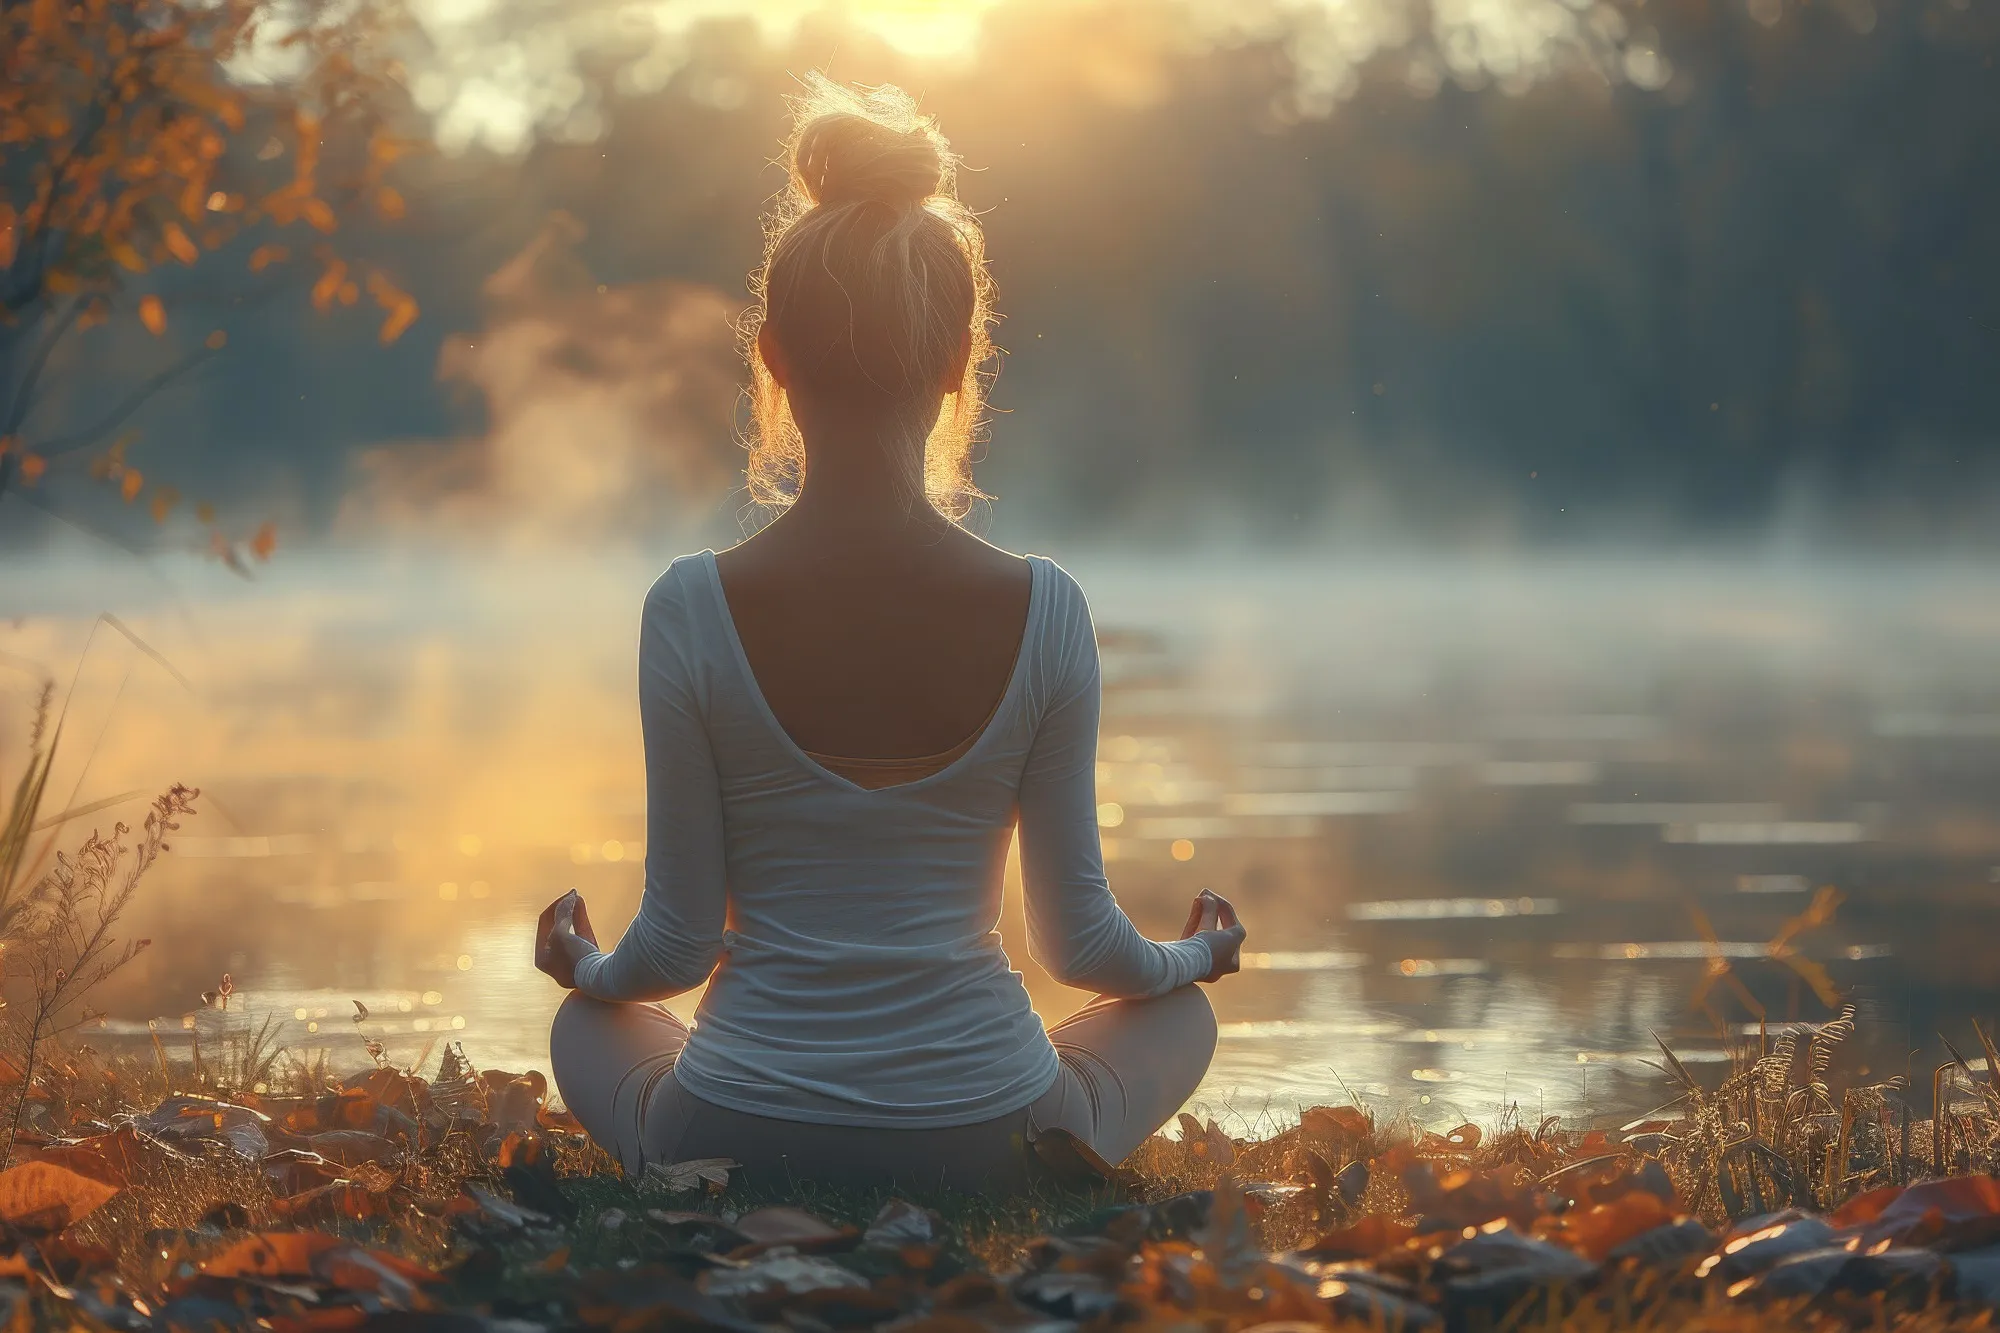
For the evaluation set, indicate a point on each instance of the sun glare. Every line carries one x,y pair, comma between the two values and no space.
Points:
925,28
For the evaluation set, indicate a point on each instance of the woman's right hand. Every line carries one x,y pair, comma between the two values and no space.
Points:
1213,921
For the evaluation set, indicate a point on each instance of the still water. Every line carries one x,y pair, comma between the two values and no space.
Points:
1491,823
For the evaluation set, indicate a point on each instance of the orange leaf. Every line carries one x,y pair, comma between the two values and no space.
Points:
127,257
216,340
32,467
265,542
132,483
153,315
1365,1239
349,293
319,214
178,243
85,1159
275,1254
1595,1232
1865,1207
1336,1120
328,287
1963,1210
389,203
45,1197
266,255
164,500
399,320
7,239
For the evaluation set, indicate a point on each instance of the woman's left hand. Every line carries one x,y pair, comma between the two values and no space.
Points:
563,938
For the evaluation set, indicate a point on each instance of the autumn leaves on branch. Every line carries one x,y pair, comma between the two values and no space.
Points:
137,137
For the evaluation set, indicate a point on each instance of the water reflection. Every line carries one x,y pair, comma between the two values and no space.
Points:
1491,825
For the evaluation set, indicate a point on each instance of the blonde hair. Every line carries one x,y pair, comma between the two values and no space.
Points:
873,273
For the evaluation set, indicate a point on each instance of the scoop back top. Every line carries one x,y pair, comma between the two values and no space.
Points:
848,932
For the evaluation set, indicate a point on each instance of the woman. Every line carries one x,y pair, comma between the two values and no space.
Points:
845,718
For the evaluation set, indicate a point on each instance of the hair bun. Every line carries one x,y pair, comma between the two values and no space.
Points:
846,158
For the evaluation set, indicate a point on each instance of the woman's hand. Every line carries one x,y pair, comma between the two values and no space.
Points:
563,938
1213,921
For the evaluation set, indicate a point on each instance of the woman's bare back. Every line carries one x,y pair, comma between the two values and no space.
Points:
872,644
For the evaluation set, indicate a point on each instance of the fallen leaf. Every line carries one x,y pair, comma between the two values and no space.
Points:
45,1197
1865,1207
271,1254
1962,1212
1336,1121
899,1223
680,1177
785,1225
1365,1239
292,1171
783,1269
1597,1230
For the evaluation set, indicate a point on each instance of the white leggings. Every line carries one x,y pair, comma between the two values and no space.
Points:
1126,1066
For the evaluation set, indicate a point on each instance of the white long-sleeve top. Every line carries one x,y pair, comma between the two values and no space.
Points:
849,936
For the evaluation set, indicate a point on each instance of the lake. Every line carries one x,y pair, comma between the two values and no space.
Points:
1492,823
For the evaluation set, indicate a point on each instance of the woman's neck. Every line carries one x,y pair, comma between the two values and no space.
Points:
855,481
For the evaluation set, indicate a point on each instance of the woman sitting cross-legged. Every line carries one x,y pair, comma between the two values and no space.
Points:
846,717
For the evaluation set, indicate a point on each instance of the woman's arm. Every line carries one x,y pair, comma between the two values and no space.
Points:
673,943
1075,927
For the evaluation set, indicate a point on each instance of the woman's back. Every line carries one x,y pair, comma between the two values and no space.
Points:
874,645
858,976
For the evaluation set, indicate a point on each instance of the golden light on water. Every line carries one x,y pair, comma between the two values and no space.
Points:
354,732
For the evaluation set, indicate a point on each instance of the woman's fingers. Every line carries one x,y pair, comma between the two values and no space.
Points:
1193,926
1225,947
564,936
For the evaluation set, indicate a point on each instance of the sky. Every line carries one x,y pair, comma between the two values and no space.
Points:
497,73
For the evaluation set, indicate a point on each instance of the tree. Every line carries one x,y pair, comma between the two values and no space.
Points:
144,144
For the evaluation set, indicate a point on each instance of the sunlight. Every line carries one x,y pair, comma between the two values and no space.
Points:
931,28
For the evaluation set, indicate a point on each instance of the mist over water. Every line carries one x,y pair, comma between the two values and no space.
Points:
1474,811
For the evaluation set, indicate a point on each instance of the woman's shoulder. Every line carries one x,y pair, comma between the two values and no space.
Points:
680,591
1064,595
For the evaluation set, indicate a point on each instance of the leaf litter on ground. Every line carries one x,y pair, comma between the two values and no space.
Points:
467,1201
